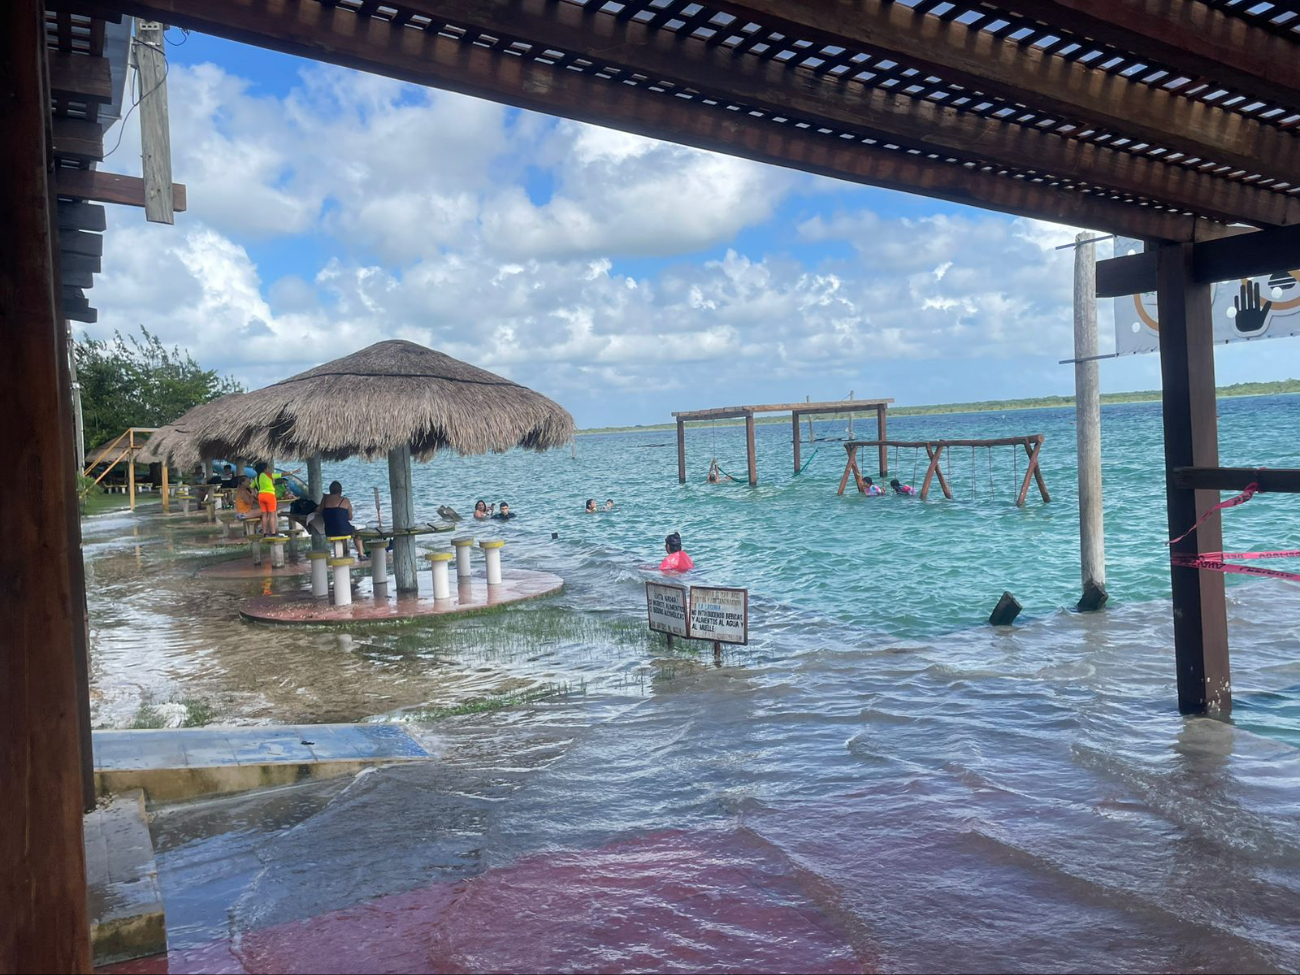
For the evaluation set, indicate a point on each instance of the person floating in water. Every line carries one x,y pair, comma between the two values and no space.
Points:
609,504
481,512
503,512
591,506
869,488
904,489
716,473
676,560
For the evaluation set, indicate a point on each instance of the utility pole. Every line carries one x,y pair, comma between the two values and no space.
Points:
155,135
1087,411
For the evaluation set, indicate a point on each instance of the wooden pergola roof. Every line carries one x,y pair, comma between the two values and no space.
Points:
1159,119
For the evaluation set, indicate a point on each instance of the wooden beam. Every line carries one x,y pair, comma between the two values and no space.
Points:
681,452
1191,440
79,263
1196,39
76,215
1270,480
155,131
78,139
1024,73
337,35
1245,255
776,87
86,184
77,308
81,242
750,454
80,77
43,881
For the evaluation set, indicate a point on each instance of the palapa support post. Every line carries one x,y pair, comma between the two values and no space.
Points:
492,555
130,465
43,883
794,419
1087,425
439,562
315,480
750,454
338,545
166,492
320,580
464,549
399,483
681,451
882,434
1192,440
342,581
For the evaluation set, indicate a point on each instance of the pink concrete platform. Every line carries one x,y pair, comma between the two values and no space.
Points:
516,586
245,569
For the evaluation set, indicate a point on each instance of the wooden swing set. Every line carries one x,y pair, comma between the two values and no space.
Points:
934,449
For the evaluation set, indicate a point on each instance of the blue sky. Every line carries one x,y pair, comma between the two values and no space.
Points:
624,278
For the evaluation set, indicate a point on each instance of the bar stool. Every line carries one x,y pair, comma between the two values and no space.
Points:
339,543
464,547
492,554
320,579
439,562
277,550
342,580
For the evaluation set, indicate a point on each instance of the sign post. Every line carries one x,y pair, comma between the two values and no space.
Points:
667,609
720,615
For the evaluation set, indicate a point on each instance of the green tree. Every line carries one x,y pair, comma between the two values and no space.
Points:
139,382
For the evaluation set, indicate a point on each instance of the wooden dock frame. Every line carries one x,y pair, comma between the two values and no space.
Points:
1033,444
797,412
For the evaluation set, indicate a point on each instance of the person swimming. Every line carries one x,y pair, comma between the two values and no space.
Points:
591,506
503,512
609,504
676,560
716,473
904,489
869,488
481,512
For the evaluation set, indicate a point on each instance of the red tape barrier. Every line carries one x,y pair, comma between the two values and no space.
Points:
1216,561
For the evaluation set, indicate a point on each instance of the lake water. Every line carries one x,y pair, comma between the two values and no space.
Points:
878,782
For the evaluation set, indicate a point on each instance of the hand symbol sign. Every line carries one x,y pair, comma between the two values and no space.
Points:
1251,311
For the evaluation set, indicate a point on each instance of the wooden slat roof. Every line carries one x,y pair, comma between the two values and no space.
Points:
1161,119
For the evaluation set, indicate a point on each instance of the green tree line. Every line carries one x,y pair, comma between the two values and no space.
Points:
139,382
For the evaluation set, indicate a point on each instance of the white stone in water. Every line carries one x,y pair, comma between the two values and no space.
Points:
173,715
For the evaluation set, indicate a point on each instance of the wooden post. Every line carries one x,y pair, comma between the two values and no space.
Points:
399,484
749,448
43,883
166,501
681,451
130,465
882,434
1087,416
1032,447
315,480
850,465
850,414
155,135
811,436
795,426
1192,440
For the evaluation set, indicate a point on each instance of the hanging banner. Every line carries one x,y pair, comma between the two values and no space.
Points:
720,615
1251,308
667,609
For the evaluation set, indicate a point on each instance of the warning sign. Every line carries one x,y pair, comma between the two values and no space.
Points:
667,608
721,615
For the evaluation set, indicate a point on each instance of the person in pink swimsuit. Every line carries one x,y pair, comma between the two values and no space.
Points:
676,560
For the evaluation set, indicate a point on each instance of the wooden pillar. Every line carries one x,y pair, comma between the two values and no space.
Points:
794,417
399,483
130,465
882,434
315,481
166,501
43,880
681,451
1192,439
749,450
1087,416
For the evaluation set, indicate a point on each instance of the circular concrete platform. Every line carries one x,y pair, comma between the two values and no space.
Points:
474,595
245,569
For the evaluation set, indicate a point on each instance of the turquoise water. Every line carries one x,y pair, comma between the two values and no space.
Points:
878,782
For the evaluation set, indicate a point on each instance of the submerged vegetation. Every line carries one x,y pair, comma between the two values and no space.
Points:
186,712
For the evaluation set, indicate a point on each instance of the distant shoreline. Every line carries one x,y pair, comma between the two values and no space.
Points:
1279,388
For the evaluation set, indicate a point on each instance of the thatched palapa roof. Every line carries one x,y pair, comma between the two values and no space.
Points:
177,444
392,394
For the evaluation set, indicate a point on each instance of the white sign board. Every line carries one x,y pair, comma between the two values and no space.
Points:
720,615
667,608
1243,310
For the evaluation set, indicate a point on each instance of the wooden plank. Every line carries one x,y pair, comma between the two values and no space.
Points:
850,465
78,264
75,278
774,86
797,441
78,139
930,470
1024,73
110,188
80,77
79,309
1271,480
681,452
42,883
1191,440
336,35
1245,255
155,132
993,442
750,453
1195,39
81,242
843,406
1131,274
882,433
1037,470
78,215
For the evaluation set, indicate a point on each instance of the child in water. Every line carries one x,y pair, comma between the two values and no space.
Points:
870,489
904,489
676,560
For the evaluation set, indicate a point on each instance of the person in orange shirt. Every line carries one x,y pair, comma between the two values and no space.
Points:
676,560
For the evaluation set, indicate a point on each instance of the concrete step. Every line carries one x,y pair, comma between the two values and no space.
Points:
125,902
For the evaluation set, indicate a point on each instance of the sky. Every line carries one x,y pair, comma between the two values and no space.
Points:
624,278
